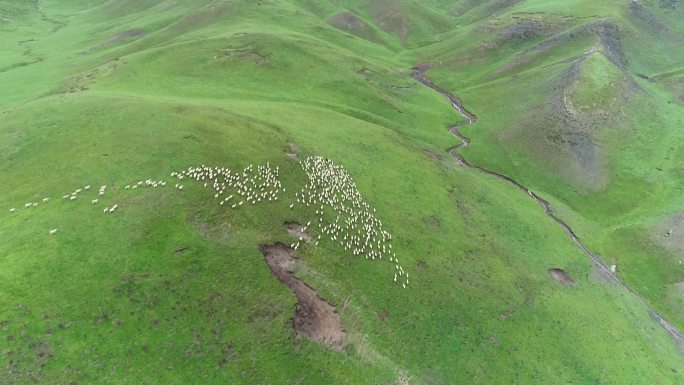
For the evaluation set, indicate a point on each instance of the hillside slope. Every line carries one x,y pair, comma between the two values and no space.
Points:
172,287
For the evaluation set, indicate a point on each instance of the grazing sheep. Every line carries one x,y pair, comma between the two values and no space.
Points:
94,201
355,225
53,231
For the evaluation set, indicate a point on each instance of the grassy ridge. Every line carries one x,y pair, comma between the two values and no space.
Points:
113,299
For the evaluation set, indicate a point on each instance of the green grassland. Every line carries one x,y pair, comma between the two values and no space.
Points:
173,289
596,131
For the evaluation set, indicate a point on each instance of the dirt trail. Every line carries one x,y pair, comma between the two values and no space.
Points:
418,74
314,317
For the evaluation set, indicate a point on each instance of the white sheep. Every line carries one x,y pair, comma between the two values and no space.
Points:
53,231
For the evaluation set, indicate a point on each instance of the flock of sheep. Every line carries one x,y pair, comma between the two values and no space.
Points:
76,194
330,188
248,186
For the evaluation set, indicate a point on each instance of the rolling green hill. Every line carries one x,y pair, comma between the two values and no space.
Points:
579,101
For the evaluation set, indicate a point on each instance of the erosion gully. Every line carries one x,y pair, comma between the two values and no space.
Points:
418,73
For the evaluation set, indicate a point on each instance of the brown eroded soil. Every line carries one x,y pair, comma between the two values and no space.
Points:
561,276
314,317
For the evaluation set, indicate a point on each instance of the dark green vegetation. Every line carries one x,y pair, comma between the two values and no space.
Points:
579,100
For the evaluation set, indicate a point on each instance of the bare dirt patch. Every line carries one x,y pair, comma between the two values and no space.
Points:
296,230
403,379
669,233
561,276
291,150
314,317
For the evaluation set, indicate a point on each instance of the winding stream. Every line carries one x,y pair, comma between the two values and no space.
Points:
418,74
